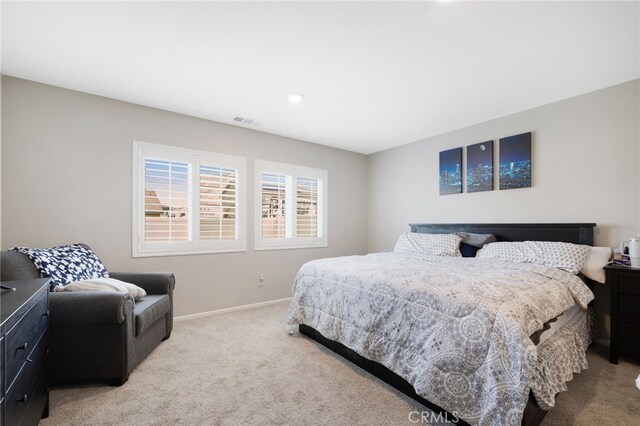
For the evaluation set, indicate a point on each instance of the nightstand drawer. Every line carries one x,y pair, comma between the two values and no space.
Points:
630,339
629,284
629,308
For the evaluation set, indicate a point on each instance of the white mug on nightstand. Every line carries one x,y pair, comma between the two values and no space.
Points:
634,250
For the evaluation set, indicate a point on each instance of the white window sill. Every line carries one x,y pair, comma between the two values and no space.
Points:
302,246
186,252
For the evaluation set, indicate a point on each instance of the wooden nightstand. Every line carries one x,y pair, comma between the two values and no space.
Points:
624,283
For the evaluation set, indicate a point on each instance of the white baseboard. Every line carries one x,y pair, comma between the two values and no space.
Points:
227,310
602,342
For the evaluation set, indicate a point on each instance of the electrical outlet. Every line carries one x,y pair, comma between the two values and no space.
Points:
261,280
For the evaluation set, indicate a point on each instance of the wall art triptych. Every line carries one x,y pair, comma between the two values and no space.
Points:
514,166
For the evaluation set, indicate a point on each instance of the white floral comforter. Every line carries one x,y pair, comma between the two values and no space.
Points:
457,329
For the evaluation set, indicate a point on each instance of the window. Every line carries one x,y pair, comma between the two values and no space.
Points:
291,206
186,201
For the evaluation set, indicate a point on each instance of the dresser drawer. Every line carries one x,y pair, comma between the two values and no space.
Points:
33,412
629,308
1,373
629,284
24,389
21,339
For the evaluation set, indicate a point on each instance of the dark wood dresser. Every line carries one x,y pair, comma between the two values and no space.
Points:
25,321
624,283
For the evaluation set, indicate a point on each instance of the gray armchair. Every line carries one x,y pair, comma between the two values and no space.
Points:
101,336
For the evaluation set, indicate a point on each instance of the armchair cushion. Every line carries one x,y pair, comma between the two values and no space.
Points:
149,309
154,283
65,264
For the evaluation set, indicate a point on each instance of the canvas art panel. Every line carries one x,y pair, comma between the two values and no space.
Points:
480,167
515,161
451,171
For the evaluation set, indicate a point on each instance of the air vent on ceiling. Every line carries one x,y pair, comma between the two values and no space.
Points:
247,121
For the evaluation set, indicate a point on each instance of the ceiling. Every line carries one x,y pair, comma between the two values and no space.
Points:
374,75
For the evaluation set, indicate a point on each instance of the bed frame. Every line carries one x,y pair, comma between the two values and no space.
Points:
577,233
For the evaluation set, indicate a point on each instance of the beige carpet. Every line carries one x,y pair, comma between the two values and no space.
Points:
243,369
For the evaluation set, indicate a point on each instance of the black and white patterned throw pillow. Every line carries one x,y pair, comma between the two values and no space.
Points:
65,264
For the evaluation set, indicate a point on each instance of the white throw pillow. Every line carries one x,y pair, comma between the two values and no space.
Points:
596,260
428,244
566,256
104,284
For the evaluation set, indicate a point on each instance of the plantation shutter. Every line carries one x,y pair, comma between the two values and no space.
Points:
308,207
218,203
167,197
276,202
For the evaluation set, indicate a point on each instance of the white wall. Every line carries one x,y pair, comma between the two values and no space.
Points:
66,177
585,154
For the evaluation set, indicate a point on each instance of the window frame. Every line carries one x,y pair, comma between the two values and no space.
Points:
195,158
294,242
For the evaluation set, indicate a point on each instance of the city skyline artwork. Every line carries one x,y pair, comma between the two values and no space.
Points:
480,167
515,161
451,171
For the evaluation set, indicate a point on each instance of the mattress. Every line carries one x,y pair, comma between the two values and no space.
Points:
456,328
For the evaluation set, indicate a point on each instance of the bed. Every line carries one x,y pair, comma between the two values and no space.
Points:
465,337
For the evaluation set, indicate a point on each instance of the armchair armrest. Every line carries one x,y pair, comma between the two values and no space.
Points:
89,307
151,282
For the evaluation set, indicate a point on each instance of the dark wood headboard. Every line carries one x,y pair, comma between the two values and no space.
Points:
577,233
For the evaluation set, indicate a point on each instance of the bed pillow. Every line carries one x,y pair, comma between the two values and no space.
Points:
428,244
467,250
515,252
596,260
65,264
104,284
566,256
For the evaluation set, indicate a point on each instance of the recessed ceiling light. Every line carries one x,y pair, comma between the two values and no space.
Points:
296,98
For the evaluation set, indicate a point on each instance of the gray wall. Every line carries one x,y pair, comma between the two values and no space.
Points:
585,153
66,177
